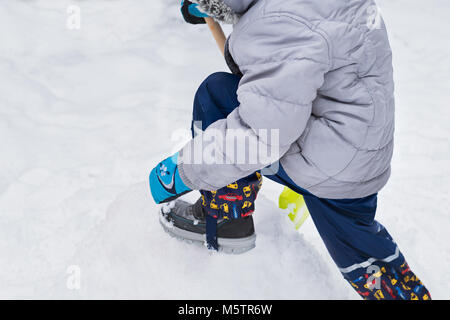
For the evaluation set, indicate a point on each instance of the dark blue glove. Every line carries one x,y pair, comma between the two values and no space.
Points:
191,13
165,181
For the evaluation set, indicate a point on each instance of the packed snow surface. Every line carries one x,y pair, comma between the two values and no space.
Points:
86,113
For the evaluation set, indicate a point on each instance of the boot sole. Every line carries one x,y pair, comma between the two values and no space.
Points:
226,245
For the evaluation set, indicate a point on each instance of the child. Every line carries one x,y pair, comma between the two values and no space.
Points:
317,75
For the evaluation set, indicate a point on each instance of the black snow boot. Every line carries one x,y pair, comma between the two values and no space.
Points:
187,222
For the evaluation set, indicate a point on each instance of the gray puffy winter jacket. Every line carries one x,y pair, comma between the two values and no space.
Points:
320,71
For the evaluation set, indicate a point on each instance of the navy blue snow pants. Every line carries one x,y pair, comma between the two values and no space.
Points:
362,248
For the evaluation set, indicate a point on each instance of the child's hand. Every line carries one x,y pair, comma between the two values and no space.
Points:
192,13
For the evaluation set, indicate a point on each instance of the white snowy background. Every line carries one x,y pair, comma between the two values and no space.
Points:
86,113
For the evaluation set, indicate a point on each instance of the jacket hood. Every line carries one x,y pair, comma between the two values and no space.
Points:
227,11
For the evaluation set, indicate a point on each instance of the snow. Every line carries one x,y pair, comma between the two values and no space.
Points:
86,113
